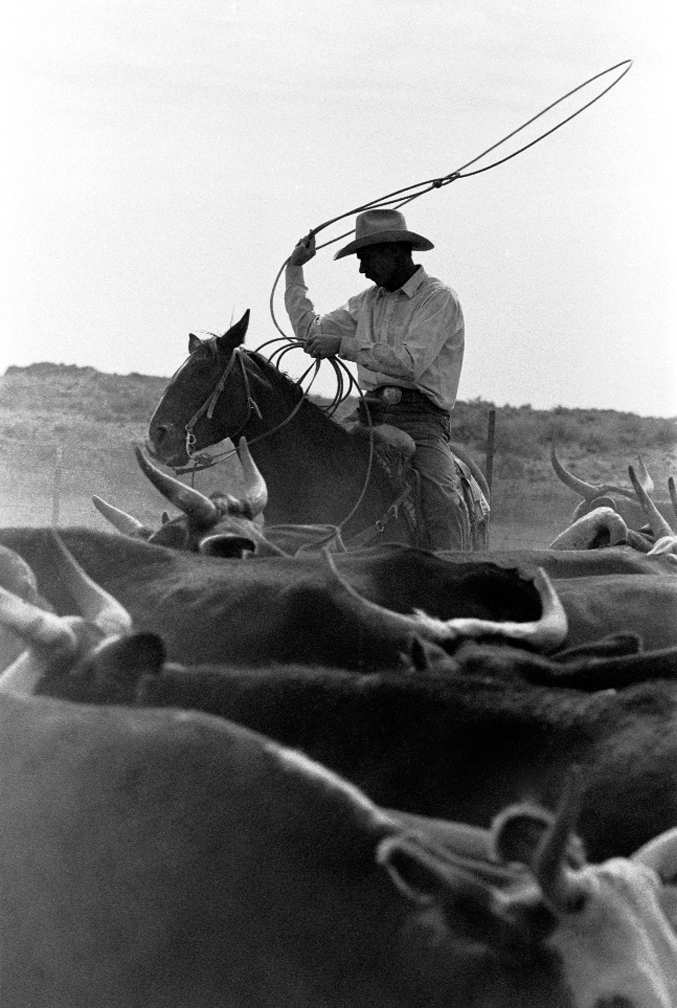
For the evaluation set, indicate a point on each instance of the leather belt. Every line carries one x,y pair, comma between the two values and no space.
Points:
391,395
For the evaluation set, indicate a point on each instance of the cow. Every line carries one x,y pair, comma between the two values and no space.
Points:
16,577
158,858
284,608
665,536
622,499
155,859
220,525
457,739
262,609
598,529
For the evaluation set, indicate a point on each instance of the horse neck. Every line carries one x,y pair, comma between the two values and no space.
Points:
314,469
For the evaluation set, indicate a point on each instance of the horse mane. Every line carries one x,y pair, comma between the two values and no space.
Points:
291,392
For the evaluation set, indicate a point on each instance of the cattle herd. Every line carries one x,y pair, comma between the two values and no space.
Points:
242,766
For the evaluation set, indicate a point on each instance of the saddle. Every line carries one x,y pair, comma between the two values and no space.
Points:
393,451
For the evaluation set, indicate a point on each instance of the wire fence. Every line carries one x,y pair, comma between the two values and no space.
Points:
59,492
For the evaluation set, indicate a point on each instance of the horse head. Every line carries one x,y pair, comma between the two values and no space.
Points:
184,419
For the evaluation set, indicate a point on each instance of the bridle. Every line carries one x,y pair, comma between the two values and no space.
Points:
200,460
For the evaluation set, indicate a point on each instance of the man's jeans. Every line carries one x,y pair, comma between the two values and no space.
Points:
445,516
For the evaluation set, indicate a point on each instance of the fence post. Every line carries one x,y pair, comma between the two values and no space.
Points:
56,489
489,464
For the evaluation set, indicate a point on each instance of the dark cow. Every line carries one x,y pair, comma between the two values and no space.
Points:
279,608
155,859
476,731
220,525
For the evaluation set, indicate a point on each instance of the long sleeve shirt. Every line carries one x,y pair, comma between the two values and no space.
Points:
412,337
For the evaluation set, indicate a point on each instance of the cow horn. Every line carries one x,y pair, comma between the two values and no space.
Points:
660,854
659,526
193,503
96,605
33,624
589,527
122,521
643,475
558,884
586,490
255,491
547,634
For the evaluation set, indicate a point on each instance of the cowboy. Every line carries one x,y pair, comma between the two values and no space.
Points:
406,335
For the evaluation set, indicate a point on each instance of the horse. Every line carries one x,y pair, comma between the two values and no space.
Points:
317,471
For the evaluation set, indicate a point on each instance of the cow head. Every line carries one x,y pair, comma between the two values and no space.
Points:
598,921
99,640
624,500
219,525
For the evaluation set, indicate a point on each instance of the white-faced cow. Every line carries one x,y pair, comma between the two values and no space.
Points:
623,500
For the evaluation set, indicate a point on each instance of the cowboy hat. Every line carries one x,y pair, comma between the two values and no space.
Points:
375,226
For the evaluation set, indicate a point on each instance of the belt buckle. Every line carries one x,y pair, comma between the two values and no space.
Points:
391,395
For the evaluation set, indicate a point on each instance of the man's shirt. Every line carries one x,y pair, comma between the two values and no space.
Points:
412,337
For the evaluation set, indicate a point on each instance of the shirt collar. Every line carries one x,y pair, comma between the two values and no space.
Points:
414,282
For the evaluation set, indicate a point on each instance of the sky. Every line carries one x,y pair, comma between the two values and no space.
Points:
162,157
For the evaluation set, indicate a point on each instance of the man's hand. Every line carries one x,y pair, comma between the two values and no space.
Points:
304,250
321,345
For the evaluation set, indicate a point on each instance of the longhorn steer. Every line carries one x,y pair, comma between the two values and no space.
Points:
278,608
474,732
622,499
220,525
154,859
281,608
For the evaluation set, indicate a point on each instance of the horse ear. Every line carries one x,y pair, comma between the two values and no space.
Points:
193,342
235,335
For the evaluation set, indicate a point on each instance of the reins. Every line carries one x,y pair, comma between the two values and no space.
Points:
201,461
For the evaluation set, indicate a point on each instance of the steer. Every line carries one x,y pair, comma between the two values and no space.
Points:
474,732
220,525
280,608
622,499
155,859
290,608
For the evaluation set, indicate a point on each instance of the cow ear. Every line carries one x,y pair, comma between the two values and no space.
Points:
234,337
468,904
170,535
418,655
126,660
194,342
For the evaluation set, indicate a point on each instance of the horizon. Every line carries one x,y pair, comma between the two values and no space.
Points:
474,401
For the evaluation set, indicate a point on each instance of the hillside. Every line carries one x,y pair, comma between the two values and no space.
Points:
67,432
